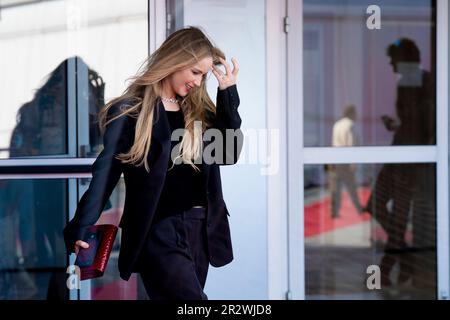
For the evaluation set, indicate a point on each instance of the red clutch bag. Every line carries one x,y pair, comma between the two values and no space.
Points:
93,260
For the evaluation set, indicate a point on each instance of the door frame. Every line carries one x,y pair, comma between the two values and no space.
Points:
297,157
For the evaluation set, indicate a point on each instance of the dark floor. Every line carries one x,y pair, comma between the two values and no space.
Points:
334,272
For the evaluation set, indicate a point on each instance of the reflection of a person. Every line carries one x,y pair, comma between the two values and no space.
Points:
400,188
41,123
343,174
41,129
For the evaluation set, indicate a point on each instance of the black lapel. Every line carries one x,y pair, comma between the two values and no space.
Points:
161,128
160,144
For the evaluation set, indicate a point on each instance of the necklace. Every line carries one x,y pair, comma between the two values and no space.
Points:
173,100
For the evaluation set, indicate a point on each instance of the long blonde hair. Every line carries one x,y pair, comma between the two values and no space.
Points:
180,50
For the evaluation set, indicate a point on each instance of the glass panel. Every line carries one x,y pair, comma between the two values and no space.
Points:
359,218
110,286
364,86
113,44
68,53
33,256
41,123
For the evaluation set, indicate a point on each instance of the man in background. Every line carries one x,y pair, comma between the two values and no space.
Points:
344,174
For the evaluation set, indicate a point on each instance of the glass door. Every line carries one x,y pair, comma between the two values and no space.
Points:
368,197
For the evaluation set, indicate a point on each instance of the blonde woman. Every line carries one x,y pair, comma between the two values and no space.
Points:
175,221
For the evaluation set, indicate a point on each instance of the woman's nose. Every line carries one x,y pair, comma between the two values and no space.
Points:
198,81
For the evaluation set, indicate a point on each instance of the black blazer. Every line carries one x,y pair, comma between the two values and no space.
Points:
144,188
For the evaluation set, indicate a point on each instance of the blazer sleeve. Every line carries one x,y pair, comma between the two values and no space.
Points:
106,171
227,117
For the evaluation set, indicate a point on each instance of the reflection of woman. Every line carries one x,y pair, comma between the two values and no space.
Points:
175,220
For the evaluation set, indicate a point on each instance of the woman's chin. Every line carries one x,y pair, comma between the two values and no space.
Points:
185,91
182,94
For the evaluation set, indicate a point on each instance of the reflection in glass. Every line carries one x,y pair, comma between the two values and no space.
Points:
340,176
343,175
41,128
415,105
395,230
93,88
387,74
33,257
41,123
65,53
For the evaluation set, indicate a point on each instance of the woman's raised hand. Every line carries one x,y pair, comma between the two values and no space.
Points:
228,78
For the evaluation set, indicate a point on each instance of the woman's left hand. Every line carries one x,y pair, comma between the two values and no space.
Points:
229,78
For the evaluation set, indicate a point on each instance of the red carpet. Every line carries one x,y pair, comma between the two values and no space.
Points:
116,290
318,214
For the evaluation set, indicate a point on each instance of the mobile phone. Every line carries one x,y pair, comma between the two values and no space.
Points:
86,257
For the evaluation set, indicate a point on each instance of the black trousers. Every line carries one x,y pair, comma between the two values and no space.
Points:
174,262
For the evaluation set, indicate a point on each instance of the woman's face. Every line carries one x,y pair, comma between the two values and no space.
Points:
181,82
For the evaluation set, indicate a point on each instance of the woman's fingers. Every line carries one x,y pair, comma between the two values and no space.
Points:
80,244
226,65
221,77
228,79
235,66
217,72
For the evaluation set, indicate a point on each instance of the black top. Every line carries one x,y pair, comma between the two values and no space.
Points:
183,187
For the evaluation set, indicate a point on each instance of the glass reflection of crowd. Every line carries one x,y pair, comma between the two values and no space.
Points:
404,195
33,212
